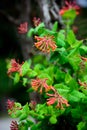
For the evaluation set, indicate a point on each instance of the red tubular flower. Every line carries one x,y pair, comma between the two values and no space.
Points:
36,21
23,28
40,84
51,101
56,98
84,58
14,125
84,84
10,104
46,43
68,6
15,67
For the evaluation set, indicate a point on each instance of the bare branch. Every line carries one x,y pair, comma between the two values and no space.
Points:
44,9
55,12
10,18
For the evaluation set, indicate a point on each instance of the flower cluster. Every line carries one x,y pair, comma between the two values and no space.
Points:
84,84
45,44
39,84
84,58
10,104
15,67
68,6
14,125
56,98
36,21
23,28
12,107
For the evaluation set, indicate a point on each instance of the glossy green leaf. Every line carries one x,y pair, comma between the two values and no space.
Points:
81,126
75,96
32,74
71,39
16,78
25,68
55,26
25,81
60,42
40,28
30,32
53,119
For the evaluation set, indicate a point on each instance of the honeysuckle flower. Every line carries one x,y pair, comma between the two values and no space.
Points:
15,67
68,6
84,84
45,44
12,107
14,125
84,58
56,98
10,104
23,28
36,21
40,84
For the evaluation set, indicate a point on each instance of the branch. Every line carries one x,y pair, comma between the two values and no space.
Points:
50,12
10,18
54,10
44,9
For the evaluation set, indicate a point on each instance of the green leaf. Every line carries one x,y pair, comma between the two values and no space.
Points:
25,68
61,34
75,61
68,78
60,42
16,78
53,119
54,57
50,32
32,74
55,26
35,127
29,122
38,68
23,126
77,44
83,49
61,85
15,114
81,126
26,108
23,116
62,89
30,32
62,55
75,96
40,117
40,29
44,75
25,81
25,112
59,75
76,112
71,39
